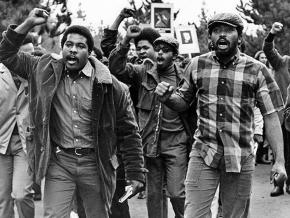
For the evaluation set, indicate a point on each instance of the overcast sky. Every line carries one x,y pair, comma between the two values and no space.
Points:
107,10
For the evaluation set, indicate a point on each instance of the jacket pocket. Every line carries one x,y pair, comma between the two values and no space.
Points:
146,97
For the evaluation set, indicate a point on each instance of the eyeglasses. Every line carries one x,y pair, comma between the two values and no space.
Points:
165,49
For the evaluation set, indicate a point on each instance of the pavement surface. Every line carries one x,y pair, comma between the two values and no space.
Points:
262,205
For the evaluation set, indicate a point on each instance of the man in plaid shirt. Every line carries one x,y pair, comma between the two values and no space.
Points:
226,85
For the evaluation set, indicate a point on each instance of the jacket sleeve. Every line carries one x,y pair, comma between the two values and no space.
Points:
129,138
20,63
126,72
108,41
273,56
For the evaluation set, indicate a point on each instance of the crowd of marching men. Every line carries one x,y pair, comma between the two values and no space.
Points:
137,117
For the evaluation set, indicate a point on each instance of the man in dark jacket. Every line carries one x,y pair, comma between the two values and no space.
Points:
165,134
108,43
79,112
281,68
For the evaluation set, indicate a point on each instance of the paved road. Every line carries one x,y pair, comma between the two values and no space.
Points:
262,205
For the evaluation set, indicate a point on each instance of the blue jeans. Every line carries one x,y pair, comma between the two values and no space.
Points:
66,173
201,184
15,183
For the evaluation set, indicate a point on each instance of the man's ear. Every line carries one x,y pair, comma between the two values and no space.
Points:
174,56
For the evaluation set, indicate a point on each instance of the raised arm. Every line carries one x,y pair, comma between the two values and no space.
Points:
109,39
18,62
273,56
125,72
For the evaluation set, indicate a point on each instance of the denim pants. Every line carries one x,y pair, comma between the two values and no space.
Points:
166,176
66,173
15,183
201,184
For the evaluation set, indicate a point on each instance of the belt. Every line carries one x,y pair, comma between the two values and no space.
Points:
76,151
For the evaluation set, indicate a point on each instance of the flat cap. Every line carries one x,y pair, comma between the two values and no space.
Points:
169,41
230,19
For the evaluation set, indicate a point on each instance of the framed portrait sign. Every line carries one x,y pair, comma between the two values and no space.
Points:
188,42
162,18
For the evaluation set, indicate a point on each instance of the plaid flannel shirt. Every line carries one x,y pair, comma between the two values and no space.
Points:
226,96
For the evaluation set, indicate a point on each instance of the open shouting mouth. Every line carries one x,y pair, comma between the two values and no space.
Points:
222,44
72,60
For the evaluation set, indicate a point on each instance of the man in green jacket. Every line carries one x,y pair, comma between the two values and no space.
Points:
79,112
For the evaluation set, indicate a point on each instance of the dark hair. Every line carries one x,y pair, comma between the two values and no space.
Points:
98,52
82,31
148,34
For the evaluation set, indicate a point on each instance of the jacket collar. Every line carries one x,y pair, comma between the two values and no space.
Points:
102,74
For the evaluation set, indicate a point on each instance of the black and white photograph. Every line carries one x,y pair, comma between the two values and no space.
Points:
186,37
144,109
162,18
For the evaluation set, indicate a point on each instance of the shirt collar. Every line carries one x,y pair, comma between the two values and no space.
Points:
87,70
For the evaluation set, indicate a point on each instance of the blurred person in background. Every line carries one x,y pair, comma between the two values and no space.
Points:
263,145
15,182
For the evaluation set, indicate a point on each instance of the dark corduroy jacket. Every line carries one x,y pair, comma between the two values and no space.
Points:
145,79
113,121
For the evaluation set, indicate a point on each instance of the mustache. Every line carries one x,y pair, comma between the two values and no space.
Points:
222,39
213,45
71,57
160,58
